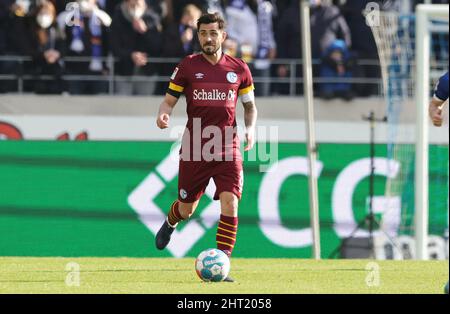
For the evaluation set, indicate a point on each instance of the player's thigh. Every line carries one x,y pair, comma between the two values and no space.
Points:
229,177
193,178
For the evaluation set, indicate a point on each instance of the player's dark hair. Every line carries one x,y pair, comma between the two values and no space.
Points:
210,18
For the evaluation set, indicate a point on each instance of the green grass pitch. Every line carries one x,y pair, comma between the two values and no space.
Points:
259,276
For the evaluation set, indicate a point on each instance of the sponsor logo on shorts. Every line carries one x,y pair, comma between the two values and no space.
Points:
183,193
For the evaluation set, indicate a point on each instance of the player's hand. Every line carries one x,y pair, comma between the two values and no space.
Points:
436,115
187,36
51,56
250,139
140,26
139,58
163,121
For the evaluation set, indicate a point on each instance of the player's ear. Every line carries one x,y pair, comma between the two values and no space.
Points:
224,36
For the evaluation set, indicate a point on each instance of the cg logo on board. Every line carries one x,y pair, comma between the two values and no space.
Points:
142,200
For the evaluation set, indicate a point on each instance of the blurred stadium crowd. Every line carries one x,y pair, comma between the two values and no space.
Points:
130,47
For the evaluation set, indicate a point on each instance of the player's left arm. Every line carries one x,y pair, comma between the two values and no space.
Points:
435,111
250,116
247,95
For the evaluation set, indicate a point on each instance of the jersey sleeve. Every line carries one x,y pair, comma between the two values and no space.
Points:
177,81
441,90
246,81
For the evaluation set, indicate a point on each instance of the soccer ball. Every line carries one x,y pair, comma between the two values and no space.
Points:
212,265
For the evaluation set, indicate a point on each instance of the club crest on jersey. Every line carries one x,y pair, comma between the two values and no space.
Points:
232,77
174,74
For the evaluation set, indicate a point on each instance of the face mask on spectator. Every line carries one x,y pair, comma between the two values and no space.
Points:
85,6
44,20
24,5
137,13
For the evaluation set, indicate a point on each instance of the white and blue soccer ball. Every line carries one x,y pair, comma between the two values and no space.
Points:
212,265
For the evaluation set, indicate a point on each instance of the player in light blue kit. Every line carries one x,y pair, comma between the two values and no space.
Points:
440,97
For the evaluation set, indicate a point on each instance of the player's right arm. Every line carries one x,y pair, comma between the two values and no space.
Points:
165,110
174,91
437,102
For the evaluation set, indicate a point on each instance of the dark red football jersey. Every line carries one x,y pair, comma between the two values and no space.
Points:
211,94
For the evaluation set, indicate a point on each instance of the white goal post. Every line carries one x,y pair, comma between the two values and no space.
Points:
424,12
310,128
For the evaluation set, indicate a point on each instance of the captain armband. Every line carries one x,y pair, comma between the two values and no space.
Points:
248,97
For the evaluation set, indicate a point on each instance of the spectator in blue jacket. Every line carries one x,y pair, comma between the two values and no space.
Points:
337,63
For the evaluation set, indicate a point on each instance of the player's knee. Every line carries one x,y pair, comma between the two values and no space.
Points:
229,204
230,210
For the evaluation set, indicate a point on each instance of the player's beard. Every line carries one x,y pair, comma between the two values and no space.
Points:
209,49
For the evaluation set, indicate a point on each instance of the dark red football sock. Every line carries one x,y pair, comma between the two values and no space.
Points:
226,234
174,216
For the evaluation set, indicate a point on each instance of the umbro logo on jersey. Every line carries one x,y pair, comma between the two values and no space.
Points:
199,75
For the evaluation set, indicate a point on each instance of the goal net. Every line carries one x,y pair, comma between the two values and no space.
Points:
413,51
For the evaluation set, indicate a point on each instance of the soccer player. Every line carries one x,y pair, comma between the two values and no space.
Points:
435,110
211,82
438,100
